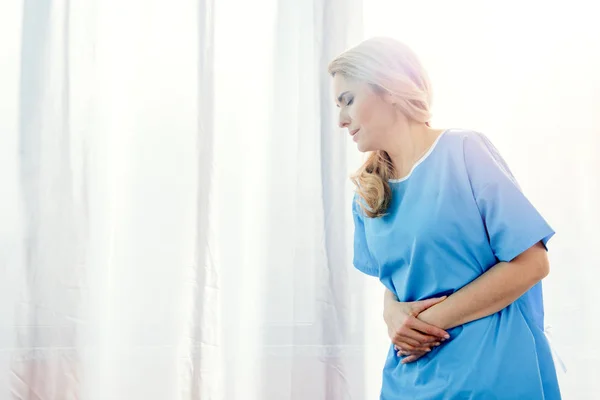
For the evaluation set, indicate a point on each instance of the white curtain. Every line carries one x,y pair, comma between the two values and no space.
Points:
174,202
174,195
280,310
526,75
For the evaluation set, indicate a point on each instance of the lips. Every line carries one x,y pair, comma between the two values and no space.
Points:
352,133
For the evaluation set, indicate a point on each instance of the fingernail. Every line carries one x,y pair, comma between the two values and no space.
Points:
428,350
447,336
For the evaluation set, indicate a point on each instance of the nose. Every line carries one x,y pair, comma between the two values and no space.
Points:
344,120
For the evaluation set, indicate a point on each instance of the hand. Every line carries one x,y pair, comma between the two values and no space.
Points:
410,356
411,336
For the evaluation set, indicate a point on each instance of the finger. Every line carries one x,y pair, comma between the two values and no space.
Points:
400,345
409,334
410,359
399,338
413,353
405,347
419,306
405,344
411,331
434,331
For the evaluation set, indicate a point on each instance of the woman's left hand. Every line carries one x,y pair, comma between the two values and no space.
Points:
430,316
409,356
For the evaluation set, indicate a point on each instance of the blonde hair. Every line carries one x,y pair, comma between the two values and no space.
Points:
389,66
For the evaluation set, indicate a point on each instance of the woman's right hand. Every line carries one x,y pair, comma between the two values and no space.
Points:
409,334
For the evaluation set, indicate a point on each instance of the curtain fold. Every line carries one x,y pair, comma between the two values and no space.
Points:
280,244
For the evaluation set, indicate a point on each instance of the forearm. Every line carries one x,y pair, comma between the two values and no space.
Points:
388,297
493,291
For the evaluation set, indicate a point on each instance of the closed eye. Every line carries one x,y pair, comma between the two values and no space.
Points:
349,103
342,96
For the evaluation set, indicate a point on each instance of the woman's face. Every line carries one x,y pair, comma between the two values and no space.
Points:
369,116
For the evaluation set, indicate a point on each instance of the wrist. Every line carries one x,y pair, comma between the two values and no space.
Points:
389,298
432,317
389,309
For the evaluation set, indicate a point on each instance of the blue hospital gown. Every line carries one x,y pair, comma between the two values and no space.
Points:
457,214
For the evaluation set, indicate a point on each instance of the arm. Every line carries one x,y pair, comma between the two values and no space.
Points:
512,224
493,291
388,298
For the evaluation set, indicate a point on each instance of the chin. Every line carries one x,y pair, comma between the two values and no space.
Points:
363,148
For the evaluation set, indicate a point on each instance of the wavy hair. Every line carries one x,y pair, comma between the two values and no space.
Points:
389,66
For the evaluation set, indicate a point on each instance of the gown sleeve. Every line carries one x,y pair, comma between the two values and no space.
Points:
363,261
513,224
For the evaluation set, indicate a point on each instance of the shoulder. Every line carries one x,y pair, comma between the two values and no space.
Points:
471,143
482,159
476,151
461,136
459,144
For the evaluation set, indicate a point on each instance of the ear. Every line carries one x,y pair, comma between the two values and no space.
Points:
389,98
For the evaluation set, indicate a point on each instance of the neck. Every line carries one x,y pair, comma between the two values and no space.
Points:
410,146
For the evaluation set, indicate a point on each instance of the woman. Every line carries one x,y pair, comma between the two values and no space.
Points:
440,220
